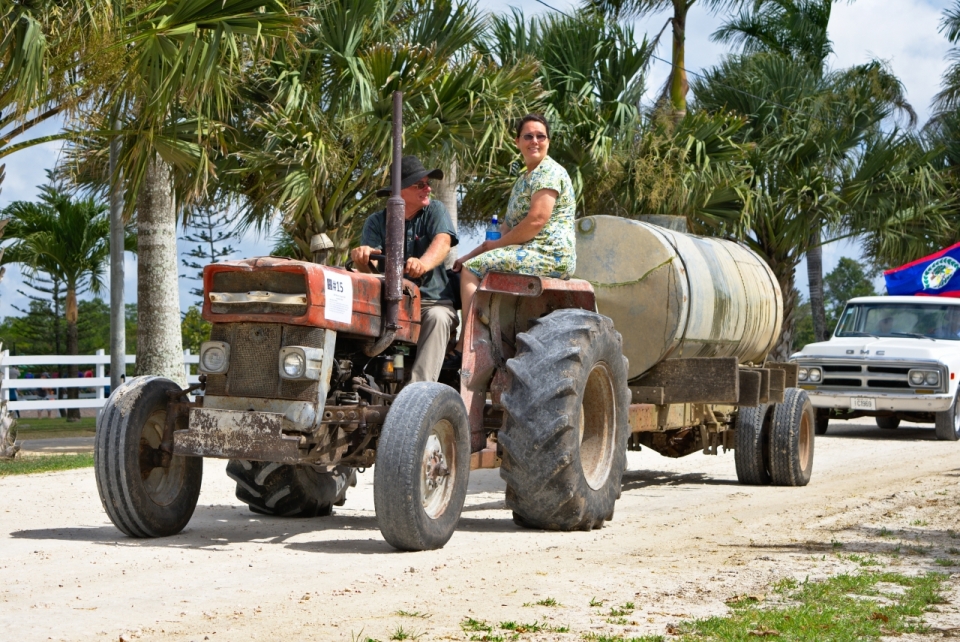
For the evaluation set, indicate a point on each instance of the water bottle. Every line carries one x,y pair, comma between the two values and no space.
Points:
493,230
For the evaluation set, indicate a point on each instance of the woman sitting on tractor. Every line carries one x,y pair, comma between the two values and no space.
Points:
537,232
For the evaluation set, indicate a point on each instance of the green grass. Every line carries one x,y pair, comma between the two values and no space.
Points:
517,627
45,464
55,428
547,602
839,609
597,637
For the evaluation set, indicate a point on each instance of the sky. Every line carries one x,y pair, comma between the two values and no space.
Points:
902,33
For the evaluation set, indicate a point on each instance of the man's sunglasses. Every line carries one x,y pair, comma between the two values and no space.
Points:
424,184
539,137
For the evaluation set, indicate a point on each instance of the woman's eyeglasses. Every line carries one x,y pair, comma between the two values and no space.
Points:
538,137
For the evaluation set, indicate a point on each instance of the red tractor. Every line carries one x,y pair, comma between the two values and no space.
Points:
303,382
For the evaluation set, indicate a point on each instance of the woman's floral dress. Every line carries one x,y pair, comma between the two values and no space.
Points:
550,253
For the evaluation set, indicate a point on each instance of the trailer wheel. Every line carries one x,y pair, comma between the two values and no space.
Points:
142,498
565,437
285,490
887,423
823,421
423,465
791,439
948,422
751,453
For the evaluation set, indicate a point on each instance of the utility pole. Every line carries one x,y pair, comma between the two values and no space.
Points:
118,317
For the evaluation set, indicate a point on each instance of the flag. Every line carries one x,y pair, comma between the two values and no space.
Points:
934,275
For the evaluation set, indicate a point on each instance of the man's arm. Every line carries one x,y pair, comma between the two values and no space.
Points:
435,255
361,257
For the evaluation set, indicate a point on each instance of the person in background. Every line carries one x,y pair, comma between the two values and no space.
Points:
46,393
429,235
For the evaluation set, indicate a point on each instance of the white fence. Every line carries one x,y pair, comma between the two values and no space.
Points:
92,389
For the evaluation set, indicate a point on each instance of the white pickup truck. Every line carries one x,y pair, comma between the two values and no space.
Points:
891,357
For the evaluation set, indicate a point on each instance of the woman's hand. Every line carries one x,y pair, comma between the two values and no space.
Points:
486,246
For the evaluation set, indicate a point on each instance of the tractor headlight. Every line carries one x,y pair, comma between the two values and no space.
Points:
815,375
802,374
214,357
298,362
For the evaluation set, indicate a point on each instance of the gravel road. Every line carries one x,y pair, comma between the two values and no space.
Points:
685,538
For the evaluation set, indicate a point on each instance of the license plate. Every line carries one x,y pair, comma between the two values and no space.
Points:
862,403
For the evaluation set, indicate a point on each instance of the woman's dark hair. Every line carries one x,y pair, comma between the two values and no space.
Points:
535,118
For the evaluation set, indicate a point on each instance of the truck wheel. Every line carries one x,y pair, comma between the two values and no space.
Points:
286,490
565,437
823,421
423,465
142,498
948,422
887,423
791,439
751,453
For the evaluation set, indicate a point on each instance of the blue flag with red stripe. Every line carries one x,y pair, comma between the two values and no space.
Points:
934,275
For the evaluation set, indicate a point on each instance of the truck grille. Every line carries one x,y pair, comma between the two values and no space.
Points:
875,377
254,360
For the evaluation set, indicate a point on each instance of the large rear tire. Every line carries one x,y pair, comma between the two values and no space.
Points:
565,437
286,490
948,422
142,498
752,451
423,466
791,439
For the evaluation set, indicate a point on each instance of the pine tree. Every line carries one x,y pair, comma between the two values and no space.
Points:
210,231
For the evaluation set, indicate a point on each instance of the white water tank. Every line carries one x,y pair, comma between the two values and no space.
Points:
674,295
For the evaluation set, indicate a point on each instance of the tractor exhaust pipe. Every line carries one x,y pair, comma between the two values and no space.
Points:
393,273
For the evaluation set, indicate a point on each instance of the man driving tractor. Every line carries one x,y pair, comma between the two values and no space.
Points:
429,235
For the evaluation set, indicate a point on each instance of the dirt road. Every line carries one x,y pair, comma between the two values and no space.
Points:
685,538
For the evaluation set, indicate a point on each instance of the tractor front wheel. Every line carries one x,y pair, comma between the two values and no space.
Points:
423,465
142,497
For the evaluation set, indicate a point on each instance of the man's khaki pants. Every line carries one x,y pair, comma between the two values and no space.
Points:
438,322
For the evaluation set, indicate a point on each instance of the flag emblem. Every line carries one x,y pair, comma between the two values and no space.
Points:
939,273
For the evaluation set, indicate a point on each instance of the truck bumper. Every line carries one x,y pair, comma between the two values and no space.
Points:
234,434
884,401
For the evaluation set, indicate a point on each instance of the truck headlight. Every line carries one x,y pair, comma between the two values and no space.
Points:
298,362
815,375
924,377
214,357
802,374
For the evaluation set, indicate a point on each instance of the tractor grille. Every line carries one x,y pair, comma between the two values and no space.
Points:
273,282
254,360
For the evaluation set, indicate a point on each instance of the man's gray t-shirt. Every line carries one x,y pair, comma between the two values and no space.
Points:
420,231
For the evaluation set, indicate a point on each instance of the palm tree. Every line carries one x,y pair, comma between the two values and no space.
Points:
675,91
314,132
948,99
816,155
796,30
178,66
66,239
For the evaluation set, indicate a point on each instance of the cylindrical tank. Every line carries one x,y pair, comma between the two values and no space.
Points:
675,295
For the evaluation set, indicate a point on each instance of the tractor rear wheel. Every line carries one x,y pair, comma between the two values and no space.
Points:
791,439
752,452
565,437
141,497
286,490
423,466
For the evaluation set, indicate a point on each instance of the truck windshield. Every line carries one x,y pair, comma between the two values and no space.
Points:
930,320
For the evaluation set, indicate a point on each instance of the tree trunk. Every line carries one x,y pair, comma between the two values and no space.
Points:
815,279
73,414
678,74
159,343
118,318
447,194
785,278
